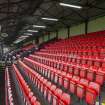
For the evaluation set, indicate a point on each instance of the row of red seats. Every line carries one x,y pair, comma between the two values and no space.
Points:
82,41
9,96
87,73
73,59
77,46
79,86
91,64
29,98
80,45
95,54
48,89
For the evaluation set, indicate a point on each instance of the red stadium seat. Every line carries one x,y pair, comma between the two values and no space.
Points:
66,99
100,77
81,88
92,92
90,75
58,94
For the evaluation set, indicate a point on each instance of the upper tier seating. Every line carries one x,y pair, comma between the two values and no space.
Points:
88,46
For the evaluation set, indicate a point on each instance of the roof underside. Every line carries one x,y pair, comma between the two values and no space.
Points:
18,15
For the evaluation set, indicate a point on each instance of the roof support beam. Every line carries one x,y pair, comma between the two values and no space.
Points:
9,12
93,6
12,3
45,11
82,17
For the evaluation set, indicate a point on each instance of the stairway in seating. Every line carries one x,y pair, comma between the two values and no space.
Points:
2,85
17,97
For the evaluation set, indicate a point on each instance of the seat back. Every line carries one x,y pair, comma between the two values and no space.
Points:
95,86
66,99
84,82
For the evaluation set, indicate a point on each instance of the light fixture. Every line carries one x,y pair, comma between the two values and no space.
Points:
51,19
28,34
70,5
4,35
23,36
37,26
32,30
19,40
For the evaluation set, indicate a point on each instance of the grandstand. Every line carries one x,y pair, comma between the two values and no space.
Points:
52,52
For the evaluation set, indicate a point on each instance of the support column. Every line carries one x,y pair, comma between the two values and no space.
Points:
57,34
43,38
68,32
1,45
37,41
86,27
49,36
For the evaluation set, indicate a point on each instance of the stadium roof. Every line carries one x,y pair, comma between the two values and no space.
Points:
18,16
